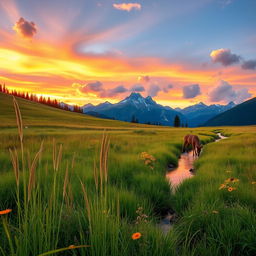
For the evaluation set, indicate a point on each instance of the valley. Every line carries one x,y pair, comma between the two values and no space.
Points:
97,182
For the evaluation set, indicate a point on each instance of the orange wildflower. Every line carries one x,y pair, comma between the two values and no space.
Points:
233,180
230,189
136,236
5,211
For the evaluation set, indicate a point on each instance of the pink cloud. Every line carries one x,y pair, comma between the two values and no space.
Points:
127,7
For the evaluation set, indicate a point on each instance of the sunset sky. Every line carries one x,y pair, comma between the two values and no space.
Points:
180,52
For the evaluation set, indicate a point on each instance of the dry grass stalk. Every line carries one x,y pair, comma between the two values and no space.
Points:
104,158
32,178
65,182
87,204
96,175
73,161
106,150
56,156
20,129
59,157
15,164
18,118
67,190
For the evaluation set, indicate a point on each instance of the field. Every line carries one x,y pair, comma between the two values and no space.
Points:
76,181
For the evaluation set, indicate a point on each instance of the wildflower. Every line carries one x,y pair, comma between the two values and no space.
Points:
222,186
253,182
230,189
215,212
147,162
5,211
136,235
233,180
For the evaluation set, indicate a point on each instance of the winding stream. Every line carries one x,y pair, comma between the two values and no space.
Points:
176,176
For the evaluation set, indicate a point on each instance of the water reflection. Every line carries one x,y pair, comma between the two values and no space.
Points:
185,165
183,171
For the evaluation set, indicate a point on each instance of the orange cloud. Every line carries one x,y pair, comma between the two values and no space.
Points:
127,7
37,67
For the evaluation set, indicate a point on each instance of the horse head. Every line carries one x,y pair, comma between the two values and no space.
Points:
199,149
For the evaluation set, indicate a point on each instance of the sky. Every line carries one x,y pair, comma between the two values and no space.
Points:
180,52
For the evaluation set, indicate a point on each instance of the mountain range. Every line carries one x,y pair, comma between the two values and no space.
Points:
146,110
136,107
242,114
200,113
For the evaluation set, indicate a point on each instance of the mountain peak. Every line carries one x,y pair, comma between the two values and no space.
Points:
231,103
135,96
106,103
201,104
149,100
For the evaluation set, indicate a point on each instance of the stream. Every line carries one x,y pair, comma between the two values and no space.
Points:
176,176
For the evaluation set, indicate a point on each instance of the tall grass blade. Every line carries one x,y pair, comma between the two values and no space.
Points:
31,183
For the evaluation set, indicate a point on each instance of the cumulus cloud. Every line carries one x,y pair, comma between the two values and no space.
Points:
167,88
191,91
91,87
25,28
153,90
113,92
137,88
225,57
225,92
98,89
144,79
249,64
127,6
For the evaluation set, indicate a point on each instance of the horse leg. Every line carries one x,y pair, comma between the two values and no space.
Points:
194,150
183,147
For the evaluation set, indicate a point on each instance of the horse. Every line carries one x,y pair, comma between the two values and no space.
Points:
187,141
194,141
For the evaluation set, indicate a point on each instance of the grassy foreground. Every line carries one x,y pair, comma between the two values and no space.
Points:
77,187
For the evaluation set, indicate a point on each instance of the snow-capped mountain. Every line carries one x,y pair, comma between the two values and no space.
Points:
199,113
145,110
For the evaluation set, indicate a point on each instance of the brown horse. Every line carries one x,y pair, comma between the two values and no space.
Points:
194,141
187,141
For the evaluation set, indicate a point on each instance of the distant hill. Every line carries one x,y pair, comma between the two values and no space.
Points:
199,113
145,110
40,115
242,114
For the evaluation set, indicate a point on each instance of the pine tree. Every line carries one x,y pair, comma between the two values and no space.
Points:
176,121
134,120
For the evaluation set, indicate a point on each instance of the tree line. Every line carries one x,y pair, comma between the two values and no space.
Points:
176,122
40,99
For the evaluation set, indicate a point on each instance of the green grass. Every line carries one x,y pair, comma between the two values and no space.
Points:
231,230
70,206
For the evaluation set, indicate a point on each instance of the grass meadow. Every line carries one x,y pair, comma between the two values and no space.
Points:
79,185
